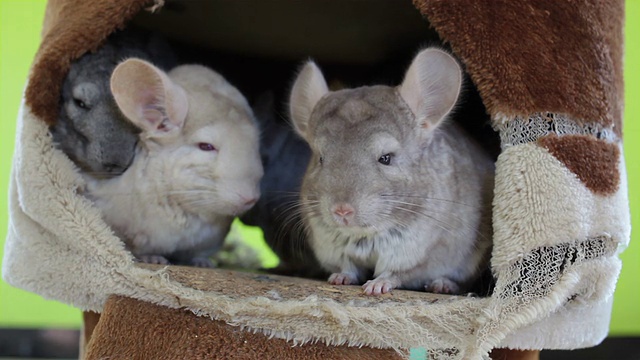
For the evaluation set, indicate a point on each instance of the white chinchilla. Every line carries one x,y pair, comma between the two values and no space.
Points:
197,164
394,192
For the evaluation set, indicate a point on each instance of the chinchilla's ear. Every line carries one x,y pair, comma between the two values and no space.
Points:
148,98
431,86
309,87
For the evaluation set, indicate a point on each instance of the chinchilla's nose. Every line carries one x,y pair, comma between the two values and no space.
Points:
249,202
114,168
343,213
247,199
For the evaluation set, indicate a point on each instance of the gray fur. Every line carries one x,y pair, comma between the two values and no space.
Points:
420,221
284,157
90,129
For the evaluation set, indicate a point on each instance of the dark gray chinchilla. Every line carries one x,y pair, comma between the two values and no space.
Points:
90,129
284,157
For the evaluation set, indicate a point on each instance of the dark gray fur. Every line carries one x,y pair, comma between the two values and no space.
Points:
284,157
91,129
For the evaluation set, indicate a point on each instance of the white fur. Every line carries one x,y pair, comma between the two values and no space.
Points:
176,199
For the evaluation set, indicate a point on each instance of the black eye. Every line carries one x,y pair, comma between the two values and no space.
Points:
321,160
81,104
206,147
385,159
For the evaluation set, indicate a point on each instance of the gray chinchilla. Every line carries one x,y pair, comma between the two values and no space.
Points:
90,129
396,195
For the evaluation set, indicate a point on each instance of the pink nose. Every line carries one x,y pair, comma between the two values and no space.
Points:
344,213
246,201
250,202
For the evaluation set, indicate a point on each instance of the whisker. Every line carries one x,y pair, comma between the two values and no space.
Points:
420,206
294,206
424,197
298,232
460,220
199,203
293,226
104,174
192,191
283,192
441,224
395,221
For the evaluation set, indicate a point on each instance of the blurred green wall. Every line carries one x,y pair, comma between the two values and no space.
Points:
20,23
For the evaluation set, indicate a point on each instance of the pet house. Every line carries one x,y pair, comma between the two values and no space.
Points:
550,76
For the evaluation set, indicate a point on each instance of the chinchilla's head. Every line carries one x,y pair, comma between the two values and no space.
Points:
198,133
369,143
90,129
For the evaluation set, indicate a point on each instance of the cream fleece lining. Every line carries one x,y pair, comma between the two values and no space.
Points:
59,247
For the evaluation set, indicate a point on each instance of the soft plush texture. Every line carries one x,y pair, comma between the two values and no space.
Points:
157,332
550,74
594,162
534,56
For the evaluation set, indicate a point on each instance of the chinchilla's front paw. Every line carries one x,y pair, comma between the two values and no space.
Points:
380,286
342,279
202,262
443,286
154,259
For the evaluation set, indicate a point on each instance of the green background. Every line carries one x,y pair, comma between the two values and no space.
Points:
20,24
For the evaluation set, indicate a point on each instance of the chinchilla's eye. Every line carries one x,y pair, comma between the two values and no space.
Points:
321,160
385,159
81,104
206,147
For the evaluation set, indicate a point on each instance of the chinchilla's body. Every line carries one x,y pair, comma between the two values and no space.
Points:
90,129
394,192
197,164
284,157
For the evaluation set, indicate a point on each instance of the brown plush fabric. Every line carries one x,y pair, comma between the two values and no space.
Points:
525,56
531,56
132,329
89,321
509,354
70,29
595,162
